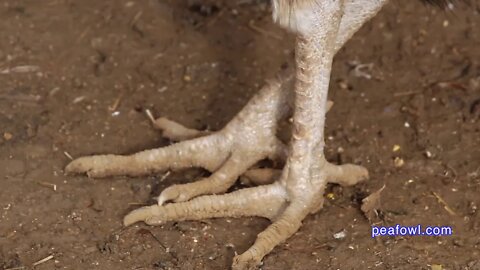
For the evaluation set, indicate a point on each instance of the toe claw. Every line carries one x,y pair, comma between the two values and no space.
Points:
245,261
355,174
76,166
175,131
147,214
96,166
161,200
81,165
174,193
347,174
167,194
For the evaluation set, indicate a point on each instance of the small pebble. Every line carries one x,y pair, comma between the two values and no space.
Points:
7,136
340,235
398,162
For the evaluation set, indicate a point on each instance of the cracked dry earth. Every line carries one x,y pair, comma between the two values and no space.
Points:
76,79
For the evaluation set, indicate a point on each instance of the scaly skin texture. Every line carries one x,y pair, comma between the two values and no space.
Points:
248,138
322,28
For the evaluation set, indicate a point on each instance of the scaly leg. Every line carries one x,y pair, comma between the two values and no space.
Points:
305,175
322,27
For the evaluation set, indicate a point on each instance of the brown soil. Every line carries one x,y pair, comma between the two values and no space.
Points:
65,63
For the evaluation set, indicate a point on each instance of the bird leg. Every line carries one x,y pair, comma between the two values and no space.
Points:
305,175
322,27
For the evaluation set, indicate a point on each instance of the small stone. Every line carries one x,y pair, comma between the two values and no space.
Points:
343,84
398,162
340,235
7,136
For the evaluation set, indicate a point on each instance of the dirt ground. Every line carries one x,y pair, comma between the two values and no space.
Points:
76,77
